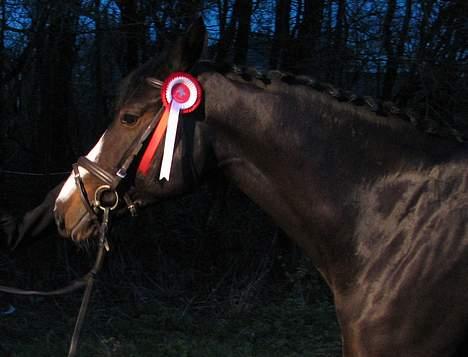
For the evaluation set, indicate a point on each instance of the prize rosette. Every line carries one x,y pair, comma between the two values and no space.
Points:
182,90
180,93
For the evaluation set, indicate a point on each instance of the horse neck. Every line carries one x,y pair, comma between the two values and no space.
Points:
302,157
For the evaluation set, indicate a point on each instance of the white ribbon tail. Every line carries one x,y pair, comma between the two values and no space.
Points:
170,140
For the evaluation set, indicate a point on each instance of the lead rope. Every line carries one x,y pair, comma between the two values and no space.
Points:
103,248
87,280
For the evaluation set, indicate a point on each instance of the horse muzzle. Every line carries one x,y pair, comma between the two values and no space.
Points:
81,228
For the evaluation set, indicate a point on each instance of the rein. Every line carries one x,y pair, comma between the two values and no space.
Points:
86,281
110,184
98,209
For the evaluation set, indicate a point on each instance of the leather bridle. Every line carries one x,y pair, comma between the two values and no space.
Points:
112,180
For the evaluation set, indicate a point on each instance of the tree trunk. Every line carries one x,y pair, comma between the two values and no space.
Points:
56,59
223,7
225,42
243,32
100,103
340,39
426,8
279,50
128,10
2,31
391,66
2,58
308,36
132,28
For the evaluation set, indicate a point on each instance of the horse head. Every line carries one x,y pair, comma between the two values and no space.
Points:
120,149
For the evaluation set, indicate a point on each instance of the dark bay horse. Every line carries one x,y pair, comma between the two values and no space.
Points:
379,206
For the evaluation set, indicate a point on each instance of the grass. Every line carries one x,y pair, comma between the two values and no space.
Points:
285,327
174,285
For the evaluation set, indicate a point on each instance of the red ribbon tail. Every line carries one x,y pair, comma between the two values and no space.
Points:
153,145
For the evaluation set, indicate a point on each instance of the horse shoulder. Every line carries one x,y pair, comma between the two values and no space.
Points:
413,246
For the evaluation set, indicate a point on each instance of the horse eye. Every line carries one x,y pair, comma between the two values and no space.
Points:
129,119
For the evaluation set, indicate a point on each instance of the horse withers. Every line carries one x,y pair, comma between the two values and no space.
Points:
379,206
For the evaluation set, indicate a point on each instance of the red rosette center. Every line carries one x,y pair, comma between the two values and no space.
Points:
184,89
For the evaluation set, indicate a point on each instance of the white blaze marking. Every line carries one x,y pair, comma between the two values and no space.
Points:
69,187
96,151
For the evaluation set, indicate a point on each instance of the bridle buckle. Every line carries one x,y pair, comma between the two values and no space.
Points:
122,173
98,195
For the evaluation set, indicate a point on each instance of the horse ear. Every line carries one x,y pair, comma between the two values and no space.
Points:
188,48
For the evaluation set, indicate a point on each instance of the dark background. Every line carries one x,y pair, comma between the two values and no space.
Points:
209,255
61,61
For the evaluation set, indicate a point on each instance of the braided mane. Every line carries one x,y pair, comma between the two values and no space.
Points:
430,126
440,128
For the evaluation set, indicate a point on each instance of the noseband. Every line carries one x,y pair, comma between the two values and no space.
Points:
112,180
